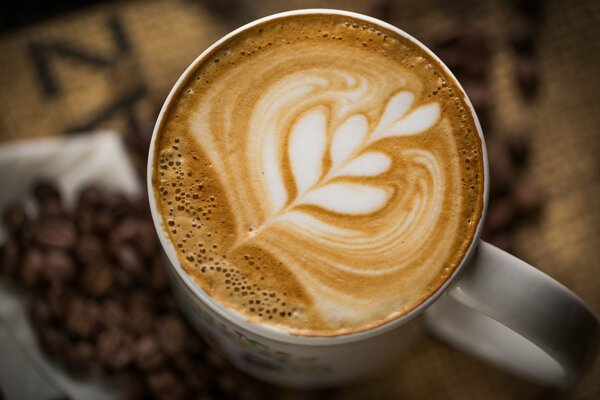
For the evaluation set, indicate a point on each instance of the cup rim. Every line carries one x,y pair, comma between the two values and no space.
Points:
265,330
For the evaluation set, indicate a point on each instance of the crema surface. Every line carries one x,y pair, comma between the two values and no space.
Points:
319,174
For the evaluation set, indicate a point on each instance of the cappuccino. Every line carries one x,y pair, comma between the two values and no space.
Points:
319,174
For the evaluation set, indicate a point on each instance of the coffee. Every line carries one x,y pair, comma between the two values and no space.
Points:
319,174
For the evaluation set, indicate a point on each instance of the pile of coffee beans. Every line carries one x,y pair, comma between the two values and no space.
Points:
99,299
465,50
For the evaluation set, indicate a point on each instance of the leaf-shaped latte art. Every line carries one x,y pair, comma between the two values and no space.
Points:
348,198
307,143
306,146
348,137
371,163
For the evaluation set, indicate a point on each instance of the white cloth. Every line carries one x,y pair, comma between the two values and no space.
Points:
72,162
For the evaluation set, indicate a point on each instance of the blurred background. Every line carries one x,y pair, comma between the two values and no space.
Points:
70,68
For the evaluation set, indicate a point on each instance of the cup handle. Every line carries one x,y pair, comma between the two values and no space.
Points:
508,312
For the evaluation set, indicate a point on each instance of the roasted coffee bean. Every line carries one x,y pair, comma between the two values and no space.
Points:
90,197
82,318
158,277
527,72
54,341
146,240
59,267
527,200
41,314
10,257
54,232
141,320
32,267
130,260
215,360
103,221
114,348
124,233
59,298
80,356
522,40
501,240
518,145
44,191
97,278
112,314
500,215
148,354
501,171
89,248
226,383
131,382
172,334
446,34
162,381
14,218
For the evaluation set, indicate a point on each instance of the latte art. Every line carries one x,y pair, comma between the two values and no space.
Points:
319,175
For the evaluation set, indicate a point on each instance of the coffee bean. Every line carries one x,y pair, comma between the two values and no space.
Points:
518,145
130,260
112,314
32,267
527,72
501,171
60,267
44,191
148,355
80,357
171,334
522,40
131,382
41,314
446,34
501,240
146,240
14,218
162,382
141,320
82,317
527,199
89,248
59,299
125,232
226,383
114,348
500,215
103,221
215,360
10,257
54,232
97,278
158,277
90,197
54,341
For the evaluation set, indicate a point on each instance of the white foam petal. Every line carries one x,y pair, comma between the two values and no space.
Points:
395,109
371,163
347,138
306,147
417,121
348,198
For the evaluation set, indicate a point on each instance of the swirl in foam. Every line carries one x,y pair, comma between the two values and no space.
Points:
319,174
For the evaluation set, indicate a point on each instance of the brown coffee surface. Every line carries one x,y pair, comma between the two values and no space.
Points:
319,174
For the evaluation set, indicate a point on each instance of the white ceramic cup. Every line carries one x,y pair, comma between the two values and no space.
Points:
494,306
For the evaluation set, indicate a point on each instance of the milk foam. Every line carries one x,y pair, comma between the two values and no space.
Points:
319,175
